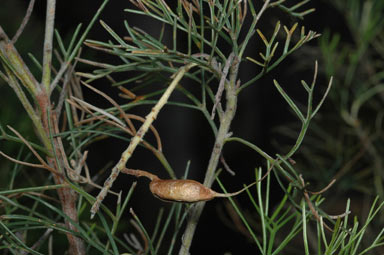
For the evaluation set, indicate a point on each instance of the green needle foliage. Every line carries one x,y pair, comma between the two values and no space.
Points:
204,42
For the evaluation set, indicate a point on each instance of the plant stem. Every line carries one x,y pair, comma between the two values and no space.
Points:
11,58
67,196
225,123
16,69
48,38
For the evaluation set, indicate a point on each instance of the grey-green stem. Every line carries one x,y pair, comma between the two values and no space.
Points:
225,123
48,41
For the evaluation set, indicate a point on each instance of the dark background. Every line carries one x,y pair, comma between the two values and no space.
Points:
261,109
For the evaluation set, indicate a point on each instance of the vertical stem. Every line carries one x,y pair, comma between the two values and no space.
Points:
42,116
48,38
225,123
67,196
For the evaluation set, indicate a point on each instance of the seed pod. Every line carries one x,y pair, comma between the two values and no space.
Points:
188,191
181,190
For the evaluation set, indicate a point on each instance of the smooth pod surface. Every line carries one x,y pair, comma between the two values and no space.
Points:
181,190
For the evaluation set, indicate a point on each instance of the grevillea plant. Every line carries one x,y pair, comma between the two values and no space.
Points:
217,37
210,66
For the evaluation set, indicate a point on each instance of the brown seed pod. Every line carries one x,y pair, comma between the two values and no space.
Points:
181,190
188,191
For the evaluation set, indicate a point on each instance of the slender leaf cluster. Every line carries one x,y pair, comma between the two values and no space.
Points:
199,51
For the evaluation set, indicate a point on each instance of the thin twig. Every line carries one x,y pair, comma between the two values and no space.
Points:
27,163
311,206
223,79
127,117
42,161
142,235
139,173
85,107
78,166
61,151
324,189
21,194
67,80
24,22
102,118
64,92
139,136
342,215
99,110
127,93
125,129
132,241
226,166
39,242
113,102
244,12
74,174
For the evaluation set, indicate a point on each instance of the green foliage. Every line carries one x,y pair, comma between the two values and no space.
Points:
351,149
36,215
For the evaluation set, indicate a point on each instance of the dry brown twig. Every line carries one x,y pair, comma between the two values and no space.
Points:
140,248
24,22
222,82
18,195
312,207
74,174
226,166
106,117
115,104
43,164
68,79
